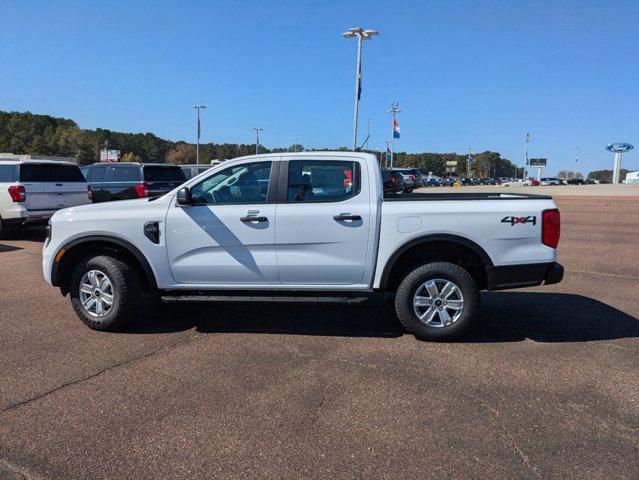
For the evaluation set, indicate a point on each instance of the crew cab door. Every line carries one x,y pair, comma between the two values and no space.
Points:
323,222
227,235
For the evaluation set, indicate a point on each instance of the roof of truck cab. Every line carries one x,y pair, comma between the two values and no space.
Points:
304,155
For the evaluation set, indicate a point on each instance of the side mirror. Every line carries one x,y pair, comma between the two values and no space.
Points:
183,198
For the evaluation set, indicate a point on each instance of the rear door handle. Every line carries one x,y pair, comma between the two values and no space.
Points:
346,216
254,219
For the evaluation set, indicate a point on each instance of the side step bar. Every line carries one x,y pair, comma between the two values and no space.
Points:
260,298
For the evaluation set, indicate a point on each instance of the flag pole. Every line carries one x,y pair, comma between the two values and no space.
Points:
394,109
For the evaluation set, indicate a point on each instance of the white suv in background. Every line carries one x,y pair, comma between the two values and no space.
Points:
33,190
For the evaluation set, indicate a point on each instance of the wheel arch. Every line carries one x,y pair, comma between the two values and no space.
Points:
81,247
444,247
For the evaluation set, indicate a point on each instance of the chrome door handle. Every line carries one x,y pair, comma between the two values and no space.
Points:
346,216
254,219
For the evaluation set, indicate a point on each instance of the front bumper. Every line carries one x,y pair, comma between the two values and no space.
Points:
519,276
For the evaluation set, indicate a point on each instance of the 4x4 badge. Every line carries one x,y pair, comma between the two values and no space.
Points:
515,220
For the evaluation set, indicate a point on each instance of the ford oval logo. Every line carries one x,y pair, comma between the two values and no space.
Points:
619,147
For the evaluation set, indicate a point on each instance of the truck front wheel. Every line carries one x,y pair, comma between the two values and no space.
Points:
437,301
104,291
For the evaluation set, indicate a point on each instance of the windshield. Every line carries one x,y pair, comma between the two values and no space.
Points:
164,174
34,172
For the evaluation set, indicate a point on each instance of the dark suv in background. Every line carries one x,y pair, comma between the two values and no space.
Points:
393,181
123,181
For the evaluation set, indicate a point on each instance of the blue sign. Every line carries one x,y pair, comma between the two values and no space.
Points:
619,147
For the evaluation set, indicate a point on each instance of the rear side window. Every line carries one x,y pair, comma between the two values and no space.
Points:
8,173
187,172
164,174
125,173
322,181
33,172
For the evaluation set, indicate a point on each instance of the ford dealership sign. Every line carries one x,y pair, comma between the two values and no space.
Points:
619,147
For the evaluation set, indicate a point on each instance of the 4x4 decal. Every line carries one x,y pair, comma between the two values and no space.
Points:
515,220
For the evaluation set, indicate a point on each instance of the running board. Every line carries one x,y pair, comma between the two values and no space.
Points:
260,298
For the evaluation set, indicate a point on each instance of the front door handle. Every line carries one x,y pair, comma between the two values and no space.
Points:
346,216
254,219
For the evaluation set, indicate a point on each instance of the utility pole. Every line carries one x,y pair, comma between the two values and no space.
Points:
361,35
257,139
394,110
576,162
197,148
527,140
468,162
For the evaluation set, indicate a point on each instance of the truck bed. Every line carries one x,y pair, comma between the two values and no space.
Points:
396,197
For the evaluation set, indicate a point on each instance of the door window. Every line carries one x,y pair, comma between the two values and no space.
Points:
246,183
322,181
164,174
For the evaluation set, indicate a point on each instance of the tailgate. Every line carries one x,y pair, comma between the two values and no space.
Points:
52,186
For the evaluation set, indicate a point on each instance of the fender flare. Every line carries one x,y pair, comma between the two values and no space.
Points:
132,249
443,237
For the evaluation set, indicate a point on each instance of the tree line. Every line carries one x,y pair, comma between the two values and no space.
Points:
27,133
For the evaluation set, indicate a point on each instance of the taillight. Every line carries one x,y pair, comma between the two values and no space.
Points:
18,193
392,180
90,193
142,191
550,227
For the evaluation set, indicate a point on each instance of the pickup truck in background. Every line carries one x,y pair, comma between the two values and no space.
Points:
297,227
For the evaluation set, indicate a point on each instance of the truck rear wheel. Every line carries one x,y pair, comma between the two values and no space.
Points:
437,301
104,292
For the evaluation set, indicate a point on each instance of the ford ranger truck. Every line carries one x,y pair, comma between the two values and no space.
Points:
304,226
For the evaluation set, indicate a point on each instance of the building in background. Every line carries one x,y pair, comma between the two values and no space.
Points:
632,177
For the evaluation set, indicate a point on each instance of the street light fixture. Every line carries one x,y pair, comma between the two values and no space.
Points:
361,34
197,148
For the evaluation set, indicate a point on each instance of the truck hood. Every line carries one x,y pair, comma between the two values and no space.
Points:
101,210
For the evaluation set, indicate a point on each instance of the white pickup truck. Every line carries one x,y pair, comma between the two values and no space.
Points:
312,226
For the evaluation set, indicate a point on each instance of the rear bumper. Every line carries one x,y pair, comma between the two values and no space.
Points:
519,276
22,215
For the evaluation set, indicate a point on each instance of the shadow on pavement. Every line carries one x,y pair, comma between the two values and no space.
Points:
506,317
8,248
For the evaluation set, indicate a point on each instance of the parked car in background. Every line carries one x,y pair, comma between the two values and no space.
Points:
576,181
124,180
419,177
410,180
534,182
518,182
191,171
393,181
433,181
32,191
545,182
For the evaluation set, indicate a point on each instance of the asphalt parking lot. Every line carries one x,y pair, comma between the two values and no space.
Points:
547,387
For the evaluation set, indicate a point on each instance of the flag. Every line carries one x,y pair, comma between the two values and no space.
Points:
388,153
359,83
198,126
395,128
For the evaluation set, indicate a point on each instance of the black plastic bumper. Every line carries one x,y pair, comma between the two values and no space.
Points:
519,276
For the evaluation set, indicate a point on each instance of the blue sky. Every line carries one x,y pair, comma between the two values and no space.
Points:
466,73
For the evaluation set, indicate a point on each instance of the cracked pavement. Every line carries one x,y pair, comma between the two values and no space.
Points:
546,387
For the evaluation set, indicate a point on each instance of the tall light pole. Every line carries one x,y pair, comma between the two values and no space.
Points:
393,110
257,139
361,34
197,148
526,140
468,162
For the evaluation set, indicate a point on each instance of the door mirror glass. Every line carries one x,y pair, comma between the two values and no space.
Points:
183,197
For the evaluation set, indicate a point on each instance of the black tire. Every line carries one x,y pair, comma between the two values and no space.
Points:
408,190
437,270
125,288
